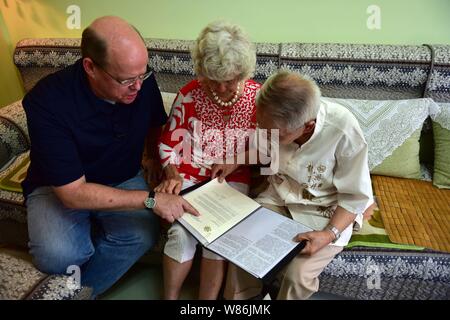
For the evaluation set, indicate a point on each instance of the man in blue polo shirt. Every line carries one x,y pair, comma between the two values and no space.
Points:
88,202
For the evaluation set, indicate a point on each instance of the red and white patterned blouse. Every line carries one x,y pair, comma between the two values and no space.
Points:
199,132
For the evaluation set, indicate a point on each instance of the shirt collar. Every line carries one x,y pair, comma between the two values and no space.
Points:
320,120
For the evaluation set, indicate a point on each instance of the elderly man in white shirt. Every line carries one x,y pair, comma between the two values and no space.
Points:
322,181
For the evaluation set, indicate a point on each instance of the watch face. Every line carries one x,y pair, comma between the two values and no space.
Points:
149,203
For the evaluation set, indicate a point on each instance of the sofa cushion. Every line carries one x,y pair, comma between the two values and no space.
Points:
360,71
373,237
441,134
18,275
441,177
16,114
387,125
404,161
12,176
12,138
403,275
13,214
414,212
21,280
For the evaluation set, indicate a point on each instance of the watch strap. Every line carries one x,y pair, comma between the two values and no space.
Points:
150,201
335,231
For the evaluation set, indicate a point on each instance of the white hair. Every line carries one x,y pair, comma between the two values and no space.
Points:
223,52
289,99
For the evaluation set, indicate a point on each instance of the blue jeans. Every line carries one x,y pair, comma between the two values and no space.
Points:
103,244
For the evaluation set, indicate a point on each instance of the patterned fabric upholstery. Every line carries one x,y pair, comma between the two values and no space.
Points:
13,214
13,138
342,70
369,274
440,80
373,72
21,280
14,113
377,72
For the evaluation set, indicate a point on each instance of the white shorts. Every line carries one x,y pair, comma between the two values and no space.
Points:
181,245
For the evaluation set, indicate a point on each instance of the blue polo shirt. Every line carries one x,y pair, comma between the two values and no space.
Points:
74,133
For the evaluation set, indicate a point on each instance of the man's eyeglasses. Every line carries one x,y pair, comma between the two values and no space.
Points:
127,82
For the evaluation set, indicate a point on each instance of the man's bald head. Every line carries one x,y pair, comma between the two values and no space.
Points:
114,54
108,38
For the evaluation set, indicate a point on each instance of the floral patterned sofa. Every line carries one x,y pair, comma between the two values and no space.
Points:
371,72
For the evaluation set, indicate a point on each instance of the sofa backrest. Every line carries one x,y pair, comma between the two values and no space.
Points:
374,72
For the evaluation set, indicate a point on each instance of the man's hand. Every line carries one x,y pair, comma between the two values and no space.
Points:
222,171
170,185
171,207
152,172
316,240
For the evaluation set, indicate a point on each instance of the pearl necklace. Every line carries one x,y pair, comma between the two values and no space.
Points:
229,103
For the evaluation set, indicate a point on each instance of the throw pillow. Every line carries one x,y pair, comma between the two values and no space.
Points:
441,134
12,177
404,161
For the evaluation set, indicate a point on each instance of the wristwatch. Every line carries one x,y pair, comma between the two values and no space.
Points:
335,231
150,202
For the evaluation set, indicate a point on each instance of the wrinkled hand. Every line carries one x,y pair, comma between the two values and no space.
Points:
170,185
171,207
316,240
222,171
152,172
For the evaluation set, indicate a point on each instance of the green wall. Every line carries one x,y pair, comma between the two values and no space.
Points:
10,85
402,21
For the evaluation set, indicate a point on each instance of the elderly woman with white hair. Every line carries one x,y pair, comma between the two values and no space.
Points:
215,113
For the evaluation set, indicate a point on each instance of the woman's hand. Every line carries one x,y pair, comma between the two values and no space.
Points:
171,185
152,172
173,181
222,171
316,240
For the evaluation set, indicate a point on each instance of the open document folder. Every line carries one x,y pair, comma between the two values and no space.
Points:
239,229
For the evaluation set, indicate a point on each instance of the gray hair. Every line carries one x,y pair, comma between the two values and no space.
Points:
222,52
289,99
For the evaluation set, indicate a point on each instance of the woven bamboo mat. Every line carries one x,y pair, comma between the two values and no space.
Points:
414,212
